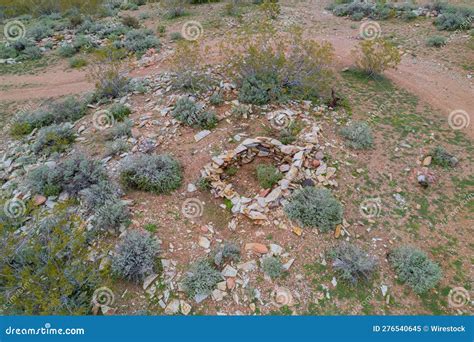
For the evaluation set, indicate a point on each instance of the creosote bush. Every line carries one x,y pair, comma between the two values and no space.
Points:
315,207
136,256
269,66
153,173
415,268
192,114
352,263
436,41
268,175
201,278
377,55
358,135
272,267
227,251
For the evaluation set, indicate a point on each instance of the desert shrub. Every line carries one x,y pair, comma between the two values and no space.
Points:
84,43
443,158
130,21
232,9
269,66
75,20
204,183
52,258
21,49
68,110
454,21
436,41
315,207
186,63
120,130
30,53
272,267
354,8
135,257
415,268
216,99
174,36
201,278
120,111
358,135
45,180
116,147
271,9
140,40
352,263
108,72
77,62
268,175
190,113
79,172
54,138
110,216
154,173
377,55
67,50
226,252
173,8
39,31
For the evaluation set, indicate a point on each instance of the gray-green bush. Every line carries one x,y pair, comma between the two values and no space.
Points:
352,263
192,114
443,158
272,267
153,173
415,268
201,278
358,135
54,138
268,175
315,207
135,256
227,251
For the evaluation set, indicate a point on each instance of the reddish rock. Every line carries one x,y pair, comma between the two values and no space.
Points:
39,200
256,247
230,283
316,163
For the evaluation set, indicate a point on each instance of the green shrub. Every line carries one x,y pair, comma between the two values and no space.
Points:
77,62
415,268
154,173
140,40
191,114
453,21
226,252
358,135
120,130
272,267
135,257
443,158
67,50
352,263
45,180
436,41
116,147
315,207
289,134
110,216
130,21
269,66
201,278
120,111
52,259
39,31
173,8
374,56
54,138
79,172
268,175
176,36
216,99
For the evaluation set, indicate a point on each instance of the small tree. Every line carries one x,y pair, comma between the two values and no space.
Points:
377,55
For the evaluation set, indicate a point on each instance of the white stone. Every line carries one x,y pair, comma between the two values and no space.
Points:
191,187
229,271
218,295
201,135
172,308
334,281
247,266
275,249
273,196
288,264
185,308
204,242
384,289
148,280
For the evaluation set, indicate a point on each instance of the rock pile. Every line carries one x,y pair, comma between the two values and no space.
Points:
300,165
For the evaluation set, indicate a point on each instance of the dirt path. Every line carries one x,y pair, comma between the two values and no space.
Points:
445,89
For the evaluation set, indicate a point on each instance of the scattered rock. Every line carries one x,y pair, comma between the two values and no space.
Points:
173,307
256,247
204,242
39,200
